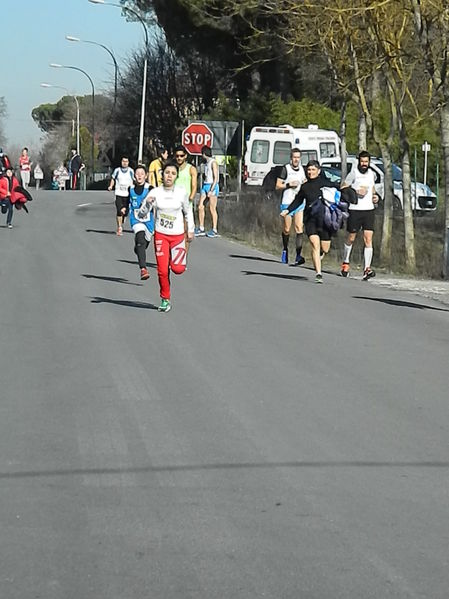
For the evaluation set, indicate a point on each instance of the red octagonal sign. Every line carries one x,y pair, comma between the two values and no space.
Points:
195,136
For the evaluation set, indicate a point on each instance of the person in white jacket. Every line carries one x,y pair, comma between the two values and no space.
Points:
171,206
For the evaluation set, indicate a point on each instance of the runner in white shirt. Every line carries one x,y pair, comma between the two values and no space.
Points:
122,179
361,215
171,205
290,180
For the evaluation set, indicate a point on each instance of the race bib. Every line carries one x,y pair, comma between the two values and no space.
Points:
166,221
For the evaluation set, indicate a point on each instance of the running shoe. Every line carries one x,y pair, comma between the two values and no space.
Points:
119,231
144,274
344,269
284,257
199,232
299,260
368,273
165,306
10,226
318,277
212,234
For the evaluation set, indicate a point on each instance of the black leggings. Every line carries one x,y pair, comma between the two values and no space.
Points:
140,247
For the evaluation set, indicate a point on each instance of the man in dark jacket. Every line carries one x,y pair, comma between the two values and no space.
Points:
75,167
310,192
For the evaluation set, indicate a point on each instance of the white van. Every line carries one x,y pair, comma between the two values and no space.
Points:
423,198
270,146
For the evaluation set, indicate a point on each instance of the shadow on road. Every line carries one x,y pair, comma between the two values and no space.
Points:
275,275
399,303
101,232
221,466
127,303
112,279
254,258
134,263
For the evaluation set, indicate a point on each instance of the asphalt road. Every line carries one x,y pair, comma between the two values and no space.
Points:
269,437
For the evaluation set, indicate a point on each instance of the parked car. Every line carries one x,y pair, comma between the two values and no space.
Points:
423,198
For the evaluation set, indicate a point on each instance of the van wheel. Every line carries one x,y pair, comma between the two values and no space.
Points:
397,206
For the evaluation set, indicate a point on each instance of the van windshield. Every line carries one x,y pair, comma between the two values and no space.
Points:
259,151
307,155
281,153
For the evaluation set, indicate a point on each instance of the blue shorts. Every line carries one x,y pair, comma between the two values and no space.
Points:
298,209
207,188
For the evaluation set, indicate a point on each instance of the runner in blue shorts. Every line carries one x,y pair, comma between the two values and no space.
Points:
289,181
209,191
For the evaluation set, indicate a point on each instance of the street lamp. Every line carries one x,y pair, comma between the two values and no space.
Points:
64,66
72,38
145,68
77,111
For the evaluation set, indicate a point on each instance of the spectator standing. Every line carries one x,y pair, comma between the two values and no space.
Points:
209,193
25,168
75,167
38,175
61,176
156,168
187,180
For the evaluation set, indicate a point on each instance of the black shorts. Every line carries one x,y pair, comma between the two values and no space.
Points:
360,219
312,228
122,202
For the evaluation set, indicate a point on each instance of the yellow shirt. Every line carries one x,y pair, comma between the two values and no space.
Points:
155,173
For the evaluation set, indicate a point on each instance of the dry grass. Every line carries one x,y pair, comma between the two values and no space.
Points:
254,220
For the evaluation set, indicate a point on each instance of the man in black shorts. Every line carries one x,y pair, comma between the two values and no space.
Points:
361,215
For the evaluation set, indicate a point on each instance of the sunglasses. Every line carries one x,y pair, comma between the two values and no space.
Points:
180,155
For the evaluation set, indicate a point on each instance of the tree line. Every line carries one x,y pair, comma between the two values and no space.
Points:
376,70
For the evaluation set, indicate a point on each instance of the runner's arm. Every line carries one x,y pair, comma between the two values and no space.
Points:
193,183
280,181
216,175
299,199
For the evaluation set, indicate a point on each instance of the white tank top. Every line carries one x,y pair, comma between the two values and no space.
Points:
209,173
288,195
123,181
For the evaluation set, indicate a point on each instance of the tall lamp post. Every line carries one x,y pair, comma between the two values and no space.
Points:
145,68
72,38
92,152
77,111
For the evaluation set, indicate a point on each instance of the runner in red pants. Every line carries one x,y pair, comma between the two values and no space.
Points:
170,205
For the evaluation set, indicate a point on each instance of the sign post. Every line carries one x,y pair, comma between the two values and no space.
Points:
425,148
195,136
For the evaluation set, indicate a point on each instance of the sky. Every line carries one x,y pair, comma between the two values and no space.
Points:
35,37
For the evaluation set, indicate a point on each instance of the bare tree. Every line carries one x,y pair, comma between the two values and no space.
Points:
431,23
3,113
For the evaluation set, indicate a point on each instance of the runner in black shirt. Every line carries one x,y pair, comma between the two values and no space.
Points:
319,236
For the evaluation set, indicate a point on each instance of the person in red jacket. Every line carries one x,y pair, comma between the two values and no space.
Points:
11,193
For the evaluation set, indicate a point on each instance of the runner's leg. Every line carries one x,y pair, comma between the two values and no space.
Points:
162,251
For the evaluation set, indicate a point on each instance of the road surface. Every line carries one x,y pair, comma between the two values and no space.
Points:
269,437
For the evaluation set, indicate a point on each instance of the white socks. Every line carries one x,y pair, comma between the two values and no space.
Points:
347,252
368,255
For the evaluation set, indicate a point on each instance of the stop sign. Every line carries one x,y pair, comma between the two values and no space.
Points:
195,136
